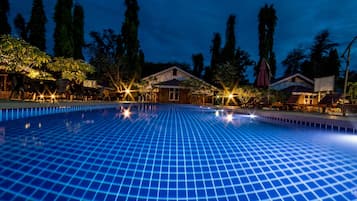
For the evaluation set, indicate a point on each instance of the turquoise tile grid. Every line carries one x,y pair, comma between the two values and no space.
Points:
170,152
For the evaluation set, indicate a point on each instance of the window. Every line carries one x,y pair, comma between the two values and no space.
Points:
309,99
173,94
174,72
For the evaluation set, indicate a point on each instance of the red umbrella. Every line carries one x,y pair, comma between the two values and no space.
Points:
264,74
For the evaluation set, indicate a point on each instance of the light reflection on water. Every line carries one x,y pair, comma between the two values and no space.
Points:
339,140
75,122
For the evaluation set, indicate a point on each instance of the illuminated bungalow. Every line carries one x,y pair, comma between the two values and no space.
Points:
174,85
300,89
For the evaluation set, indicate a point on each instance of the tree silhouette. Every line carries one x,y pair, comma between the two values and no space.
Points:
5,27
320,52
63,37
129,33
106,56
242,60
20,26
197,60
266,28
293,62
36,26
78,31
230,44
215,50
332,64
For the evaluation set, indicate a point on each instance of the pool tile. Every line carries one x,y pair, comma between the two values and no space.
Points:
179,153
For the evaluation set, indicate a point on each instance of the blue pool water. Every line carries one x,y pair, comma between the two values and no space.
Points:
166,152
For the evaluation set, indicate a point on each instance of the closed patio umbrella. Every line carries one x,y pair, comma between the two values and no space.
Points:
264,74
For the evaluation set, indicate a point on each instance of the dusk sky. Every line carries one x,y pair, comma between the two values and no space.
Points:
173,30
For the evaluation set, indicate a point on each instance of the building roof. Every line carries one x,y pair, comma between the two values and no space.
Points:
286,78
174,83
168,82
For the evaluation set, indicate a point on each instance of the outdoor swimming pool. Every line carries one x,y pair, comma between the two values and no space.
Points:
171,152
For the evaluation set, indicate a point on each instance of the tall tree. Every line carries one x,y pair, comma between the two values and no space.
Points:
5,27
242,60
78,31
332,64
229,47
230,75
197,60
293,62
129,33
215,50
63,37
227,75
20,26
319,53
267,21
36,26
105,56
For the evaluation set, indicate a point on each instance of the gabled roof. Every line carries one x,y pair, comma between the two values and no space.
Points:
170,83
283,79
182,71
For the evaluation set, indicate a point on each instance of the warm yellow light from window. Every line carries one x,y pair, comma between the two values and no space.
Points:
230,96
127,91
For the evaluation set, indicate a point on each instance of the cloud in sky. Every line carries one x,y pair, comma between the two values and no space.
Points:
174,30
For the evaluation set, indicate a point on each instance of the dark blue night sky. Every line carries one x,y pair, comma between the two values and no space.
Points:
174,30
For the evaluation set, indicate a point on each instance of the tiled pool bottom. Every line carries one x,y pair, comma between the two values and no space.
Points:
163,152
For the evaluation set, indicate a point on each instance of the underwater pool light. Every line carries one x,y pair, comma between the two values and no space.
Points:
217,113
126,113
252,116
229,117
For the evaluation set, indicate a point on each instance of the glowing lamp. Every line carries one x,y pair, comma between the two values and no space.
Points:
126,113
217,113
229,117
27,125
